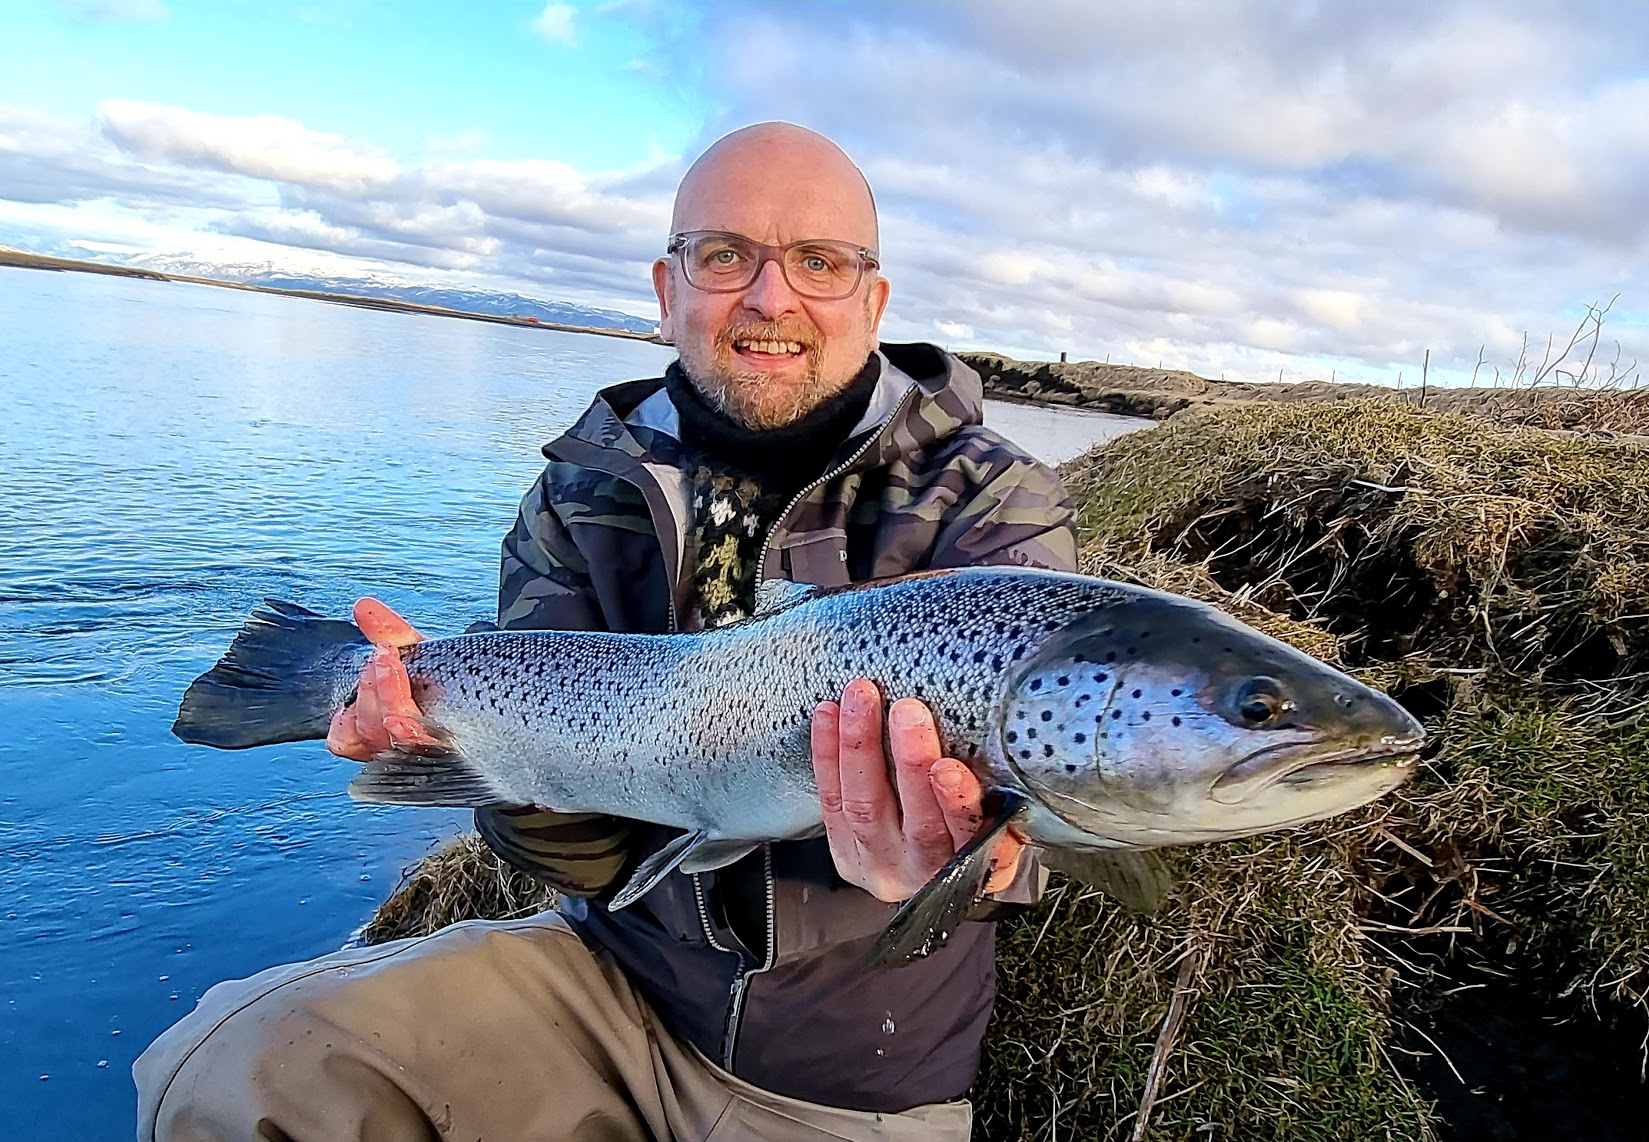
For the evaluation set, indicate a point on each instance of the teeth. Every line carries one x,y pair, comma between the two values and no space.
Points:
774,347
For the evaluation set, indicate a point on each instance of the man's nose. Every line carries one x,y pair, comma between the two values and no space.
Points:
770,294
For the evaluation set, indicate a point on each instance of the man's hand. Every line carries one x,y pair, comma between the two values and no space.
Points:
891,841
383,713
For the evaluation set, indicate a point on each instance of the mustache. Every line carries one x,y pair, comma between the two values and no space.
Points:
805,336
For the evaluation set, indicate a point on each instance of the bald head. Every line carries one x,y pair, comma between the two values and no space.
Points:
772,182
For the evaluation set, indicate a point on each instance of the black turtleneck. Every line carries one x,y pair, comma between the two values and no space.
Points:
784,458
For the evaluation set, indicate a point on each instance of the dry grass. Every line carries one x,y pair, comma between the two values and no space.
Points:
462,880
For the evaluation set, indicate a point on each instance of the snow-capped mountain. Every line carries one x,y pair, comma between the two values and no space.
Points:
492,302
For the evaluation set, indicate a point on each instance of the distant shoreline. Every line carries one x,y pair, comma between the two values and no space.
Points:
1126,390
23,260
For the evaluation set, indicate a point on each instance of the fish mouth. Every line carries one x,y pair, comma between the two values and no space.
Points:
1297,763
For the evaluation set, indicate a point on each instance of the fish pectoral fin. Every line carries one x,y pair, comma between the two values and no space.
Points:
655,868
690,852
942,905
1137,878
716,852
429,777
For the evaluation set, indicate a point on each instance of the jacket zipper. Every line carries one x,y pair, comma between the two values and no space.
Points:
741,981
767,544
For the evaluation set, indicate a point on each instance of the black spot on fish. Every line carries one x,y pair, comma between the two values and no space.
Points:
1020,714
1079,660
1064,680
1025,755
1116,714
1018,653
996,662
1176,719
1100,678
1133,652
1036,683
978,657
1137,693
1079,738
1196,638
1099,717
1031,733
1047,715
1013,736
1146,714
1083,699
1174,693
1110,656
1069,768
1016,631
1047,751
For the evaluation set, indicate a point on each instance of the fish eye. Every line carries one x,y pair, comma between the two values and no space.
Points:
1260,702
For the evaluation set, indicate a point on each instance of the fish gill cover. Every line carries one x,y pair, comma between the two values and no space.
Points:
1310,984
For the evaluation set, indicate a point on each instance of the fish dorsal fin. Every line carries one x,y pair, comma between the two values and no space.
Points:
777,594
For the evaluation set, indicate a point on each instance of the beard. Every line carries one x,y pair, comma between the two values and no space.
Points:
756,399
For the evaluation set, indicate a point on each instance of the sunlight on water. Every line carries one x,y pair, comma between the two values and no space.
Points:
169,456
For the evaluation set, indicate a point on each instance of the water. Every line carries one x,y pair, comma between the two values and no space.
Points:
169,455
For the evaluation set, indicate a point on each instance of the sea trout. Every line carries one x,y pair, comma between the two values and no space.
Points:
1101,717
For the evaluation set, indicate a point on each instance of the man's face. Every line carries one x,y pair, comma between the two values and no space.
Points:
724,339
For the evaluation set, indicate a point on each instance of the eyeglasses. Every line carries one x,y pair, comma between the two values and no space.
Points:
818,268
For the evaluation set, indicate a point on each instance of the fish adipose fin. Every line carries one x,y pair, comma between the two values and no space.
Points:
926,921
690,852
431,776
279,681
1138,879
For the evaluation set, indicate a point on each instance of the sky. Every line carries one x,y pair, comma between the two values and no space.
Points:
1246,188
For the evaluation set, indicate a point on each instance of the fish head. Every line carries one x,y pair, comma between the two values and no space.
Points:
1166,722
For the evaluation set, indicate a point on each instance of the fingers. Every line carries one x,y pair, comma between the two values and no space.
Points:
915,743
959,796
383,715
1005,862
827,768
382,626
868,804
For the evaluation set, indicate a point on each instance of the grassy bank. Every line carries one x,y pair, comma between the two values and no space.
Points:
1160,393
1312,984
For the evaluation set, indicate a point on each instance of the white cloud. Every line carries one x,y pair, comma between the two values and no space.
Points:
555,23
263,146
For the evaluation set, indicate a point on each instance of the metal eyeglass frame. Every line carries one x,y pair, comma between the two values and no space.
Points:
866,259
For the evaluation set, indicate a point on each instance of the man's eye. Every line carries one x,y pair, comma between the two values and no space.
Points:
725,256
816,264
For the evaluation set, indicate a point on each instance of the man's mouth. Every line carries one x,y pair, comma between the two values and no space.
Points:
769,350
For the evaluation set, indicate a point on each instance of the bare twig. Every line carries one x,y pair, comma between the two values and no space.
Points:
1165,1040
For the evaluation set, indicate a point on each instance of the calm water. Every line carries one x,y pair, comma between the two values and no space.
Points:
169,455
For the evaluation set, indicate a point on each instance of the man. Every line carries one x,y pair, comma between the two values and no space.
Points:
727,1005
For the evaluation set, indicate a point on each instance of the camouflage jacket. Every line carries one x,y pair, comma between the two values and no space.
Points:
601,544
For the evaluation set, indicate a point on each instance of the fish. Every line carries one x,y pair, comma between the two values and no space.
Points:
1106,721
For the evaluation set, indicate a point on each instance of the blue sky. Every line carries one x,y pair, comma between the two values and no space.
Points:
414,77
1230,186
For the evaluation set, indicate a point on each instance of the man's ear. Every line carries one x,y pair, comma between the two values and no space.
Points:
876,303
661,287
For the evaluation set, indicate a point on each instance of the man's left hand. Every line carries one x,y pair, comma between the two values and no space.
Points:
890,837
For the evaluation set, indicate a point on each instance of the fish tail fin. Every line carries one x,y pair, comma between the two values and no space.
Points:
281,680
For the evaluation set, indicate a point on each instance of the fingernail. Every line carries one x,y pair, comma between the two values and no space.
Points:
946,777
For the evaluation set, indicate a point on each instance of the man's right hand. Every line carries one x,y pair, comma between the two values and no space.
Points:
383,714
